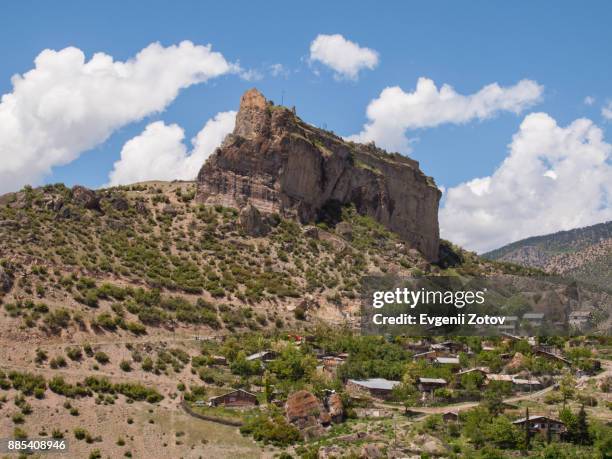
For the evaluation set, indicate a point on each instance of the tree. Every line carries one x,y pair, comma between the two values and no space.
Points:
571,423
503,433
242,367
407,393
493,402
582,435
567,386
475,422
293,365
472,380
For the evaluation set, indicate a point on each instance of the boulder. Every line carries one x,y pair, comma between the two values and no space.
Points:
330,452
119,203
372,451
428,444
53,203
283,165
345,230
86,198
305,411
312,232
6,280
169,209
518,361
335,407
141,207
252,223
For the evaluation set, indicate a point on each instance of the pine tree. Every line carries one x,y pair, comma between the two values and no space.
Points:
583,436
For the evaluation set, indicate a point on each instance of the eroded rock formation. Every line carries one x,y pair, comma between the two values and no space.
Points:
278,163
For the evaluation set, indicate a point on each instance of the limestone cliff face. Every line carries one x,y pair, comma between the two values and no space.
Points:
278,163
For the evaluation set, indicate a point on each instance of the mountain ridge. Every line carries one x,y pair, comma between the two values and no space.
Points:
582,253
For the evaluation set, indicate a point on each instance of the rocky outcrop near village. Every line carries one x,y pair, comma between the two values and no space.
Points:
279,164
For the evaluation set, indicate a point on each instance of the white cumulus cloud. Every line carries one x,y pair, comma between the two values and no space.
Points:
66,104
606,111
279,70
554,178
589,100
396,111
159,153
343,56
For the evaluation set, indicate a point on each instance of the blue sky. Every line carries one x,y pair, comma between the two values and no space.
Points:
563,46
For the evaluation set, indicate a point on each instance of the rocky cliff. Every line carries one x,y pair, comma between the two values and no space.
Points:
278,163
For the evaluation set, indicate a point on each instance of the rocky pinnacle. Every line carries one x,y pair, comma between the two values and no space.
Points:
278,163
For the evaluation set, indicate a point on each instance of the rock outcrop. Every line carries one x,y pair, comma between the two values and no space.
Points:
6,280
307,413
280,164
335,407
85,197
252,222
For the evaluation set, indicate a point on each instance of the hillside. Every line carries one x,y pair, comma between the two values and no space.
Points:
141,255
102,293
583,253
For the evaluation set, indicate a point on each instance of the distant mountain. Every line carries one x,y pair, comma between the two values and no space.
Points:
582,253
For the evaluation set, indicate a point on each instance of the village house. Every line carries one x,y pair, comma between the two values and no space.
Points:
526,385
482,370
453,362
507,327
417,346
454,347
235,398
535,319
439,348
330,364
554,356
450,416
498,377
264,356
541,424
376,387
218,360
488,347
430,384
580,319
429,355
512,321
510,338
510,324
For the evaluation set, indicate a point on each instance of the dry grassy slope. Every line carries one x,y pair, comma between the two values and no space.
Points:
143,255
152,237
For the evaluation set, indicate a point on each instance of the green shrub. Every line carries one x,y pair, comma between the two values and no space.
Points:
74,353
270,428
101,357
